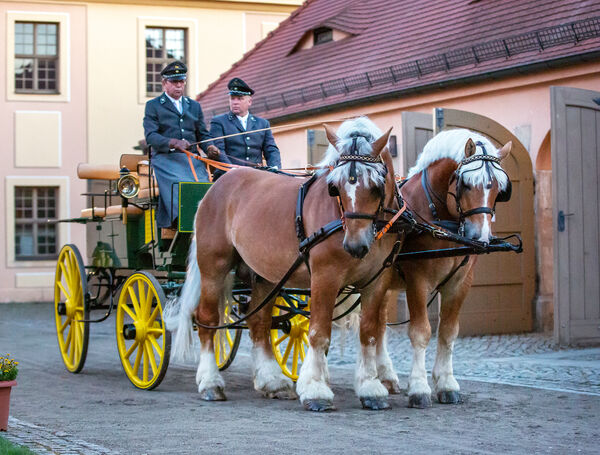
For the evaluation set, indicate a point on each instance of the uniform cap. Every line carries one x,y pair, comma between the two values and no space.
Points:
175,71
238,87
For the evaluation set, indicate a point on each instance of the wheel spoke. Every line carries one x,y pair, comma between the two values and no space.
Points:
156,346
128,311
65,275
138,358
131,349
156,332
302,351
295,359
64,326
134,301
286,354
229,339
69,338
305,338
152,317
148,303
150,355
145,364
279,340
62,288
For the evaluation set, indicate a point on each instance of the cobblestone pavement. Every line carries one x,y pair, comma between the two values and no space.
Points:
529,360
47,442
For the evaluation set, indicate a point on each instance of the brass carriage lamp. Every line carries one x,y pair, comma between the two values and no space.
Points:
128,187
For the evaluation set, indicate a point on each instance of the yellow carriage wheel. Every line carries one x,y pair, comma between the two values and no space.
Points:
71,308
143,341
290,342
227,341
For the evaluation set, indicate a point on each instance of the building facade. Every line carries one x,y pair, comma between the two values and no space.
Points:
490,66
76,77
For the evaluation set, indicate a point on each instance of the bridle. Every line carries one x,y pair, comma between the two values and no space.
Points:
352,157
487,161
458,176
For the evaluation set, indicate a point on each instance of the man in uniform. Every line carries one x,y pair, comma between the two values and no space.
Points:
244,149
171,122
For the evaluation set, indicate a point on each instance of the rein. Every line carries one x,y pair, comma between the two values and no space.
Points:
307,243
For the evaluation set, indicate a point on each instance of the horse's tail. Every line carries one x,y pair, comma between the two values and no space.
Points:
178,311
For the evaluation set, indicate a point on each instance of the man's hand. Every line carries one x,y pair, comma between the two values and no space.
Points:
179,144
212,152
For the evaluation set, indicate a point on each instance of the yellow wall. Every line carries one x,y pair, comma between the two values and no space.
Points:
216,38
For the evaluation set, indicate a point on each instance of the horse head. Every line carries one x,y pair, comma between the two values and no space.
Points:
477,184
359,178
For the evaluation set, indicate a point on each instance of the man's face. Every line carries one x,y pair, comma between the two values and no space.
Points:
239,105
173,88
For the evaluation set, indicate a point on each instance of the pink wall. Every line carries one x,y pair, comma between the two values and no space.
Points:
73,139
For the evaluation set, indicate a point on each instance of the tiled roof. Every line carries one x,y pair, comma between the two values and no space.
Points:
402,45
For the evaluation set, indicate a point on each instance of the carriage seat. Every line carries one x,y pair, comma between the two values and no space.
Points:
112,210
98,171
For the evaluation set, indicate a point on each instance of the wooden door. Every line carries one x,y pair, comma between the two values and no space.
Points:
500,300
417,129
575,142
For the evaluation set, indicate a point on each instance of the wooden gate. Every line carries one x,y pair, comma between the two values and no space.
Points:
575,138
500,300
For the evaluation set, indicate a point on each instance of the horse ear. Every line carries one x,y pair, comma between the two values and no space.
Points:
470,148
380,143
331,135
505,151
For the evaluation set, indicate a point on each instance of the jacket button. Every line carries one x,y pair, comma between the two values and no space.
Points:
247,157
247,138
182,130
247,148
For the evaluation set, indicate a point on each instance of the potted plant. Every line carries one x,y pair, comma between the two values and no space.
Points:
8,374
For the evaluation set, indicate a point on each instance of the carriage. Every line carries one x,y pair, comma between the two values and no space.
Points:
134,269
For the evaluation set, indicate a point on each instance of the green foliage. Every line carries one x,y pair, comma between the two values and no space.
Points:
8,368
8,448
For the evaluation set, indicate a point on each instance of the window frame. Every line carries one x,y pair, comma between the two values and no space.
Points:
63,93
36,60
164,60
35,221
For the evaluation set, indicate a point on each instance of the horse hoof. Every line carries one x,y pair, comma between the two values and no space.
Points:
286,394
392,387
319,405
375,403
420,401
449,397
213,394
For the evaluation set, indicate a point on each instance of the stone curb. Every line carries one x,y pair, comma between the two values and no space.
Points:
45,441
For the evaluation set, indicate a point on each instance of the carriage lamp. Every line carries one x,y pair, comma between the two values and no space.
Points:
128,185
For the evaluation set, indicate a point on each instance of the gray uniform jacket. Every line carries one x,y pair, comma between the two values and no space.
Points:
245,148
162,122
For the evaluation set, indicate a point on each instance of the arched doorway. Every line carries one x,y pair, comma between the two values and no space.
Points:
544,306
500,300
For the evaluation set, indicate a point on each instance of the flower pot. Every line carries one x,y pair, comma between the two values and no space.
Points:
5,387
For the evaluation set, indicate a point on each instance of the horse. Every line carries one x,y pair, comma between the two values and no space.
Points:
456,181
247,220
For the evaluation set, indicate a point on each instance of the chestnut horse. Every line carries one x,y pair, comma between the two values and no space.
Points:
247,219
460,171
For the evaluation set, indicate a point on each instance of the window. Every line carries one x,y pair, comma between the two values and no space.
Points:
36,57
317,146
163,45
36,213
322,35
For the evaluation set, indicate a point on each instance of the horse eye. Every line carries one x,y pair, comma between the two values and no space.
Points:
467,186
377,191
